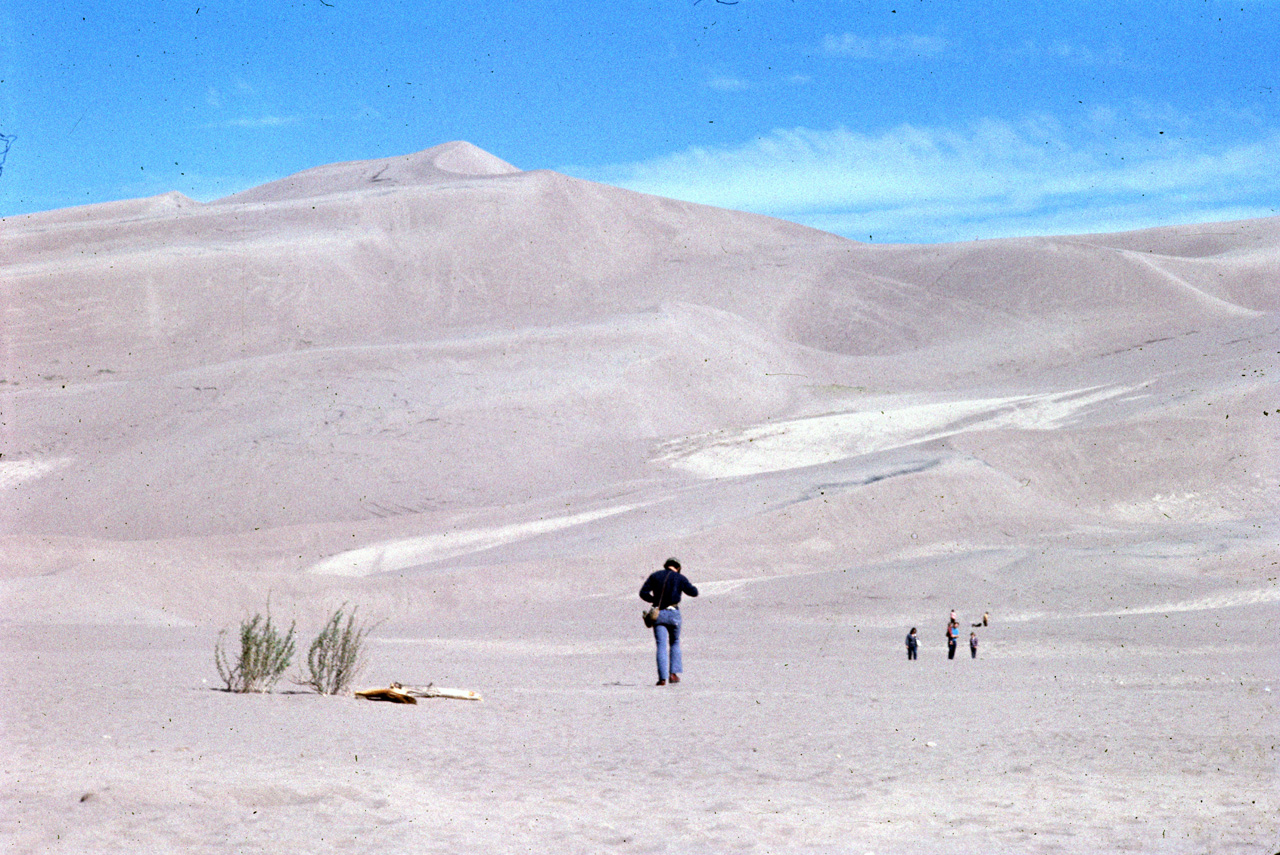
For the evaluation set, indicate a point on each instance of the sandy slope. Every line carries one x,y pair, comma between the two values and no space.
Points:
483,403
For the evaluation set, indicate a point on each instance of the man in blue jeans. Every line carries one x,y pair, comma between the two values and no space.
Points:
664,589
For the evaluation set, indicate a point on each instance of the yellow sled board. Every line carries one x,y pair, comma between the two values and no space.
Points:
399,694
391,695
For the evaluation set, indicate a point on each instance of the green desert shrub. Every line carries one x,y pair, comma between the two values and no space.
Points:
265,653
337,655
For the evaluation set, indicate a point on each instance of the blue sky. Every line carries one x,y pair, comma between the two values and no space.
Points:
904,120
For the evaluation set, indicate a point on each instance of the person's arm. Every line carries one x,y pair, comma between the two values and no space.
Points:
647,592
686,587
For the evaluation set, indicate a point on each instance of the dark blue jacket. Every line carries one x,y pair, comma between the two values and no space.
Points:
664,588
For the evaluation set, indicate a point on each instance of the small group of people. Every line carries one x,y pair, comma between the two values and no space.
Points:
953,638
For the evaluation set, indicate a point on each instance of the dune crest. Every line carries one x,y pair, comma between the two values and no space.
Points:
445,162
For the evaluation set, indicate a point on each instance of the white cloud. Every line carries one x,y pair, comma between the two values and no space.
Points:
985,179
1068,52
727,84
268,121
883,47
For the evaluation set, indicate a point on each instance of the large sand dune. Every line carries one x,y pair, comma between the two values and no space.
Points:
484,403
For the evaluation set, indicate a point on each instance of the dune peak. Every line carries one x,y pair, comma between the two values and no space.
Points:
463,158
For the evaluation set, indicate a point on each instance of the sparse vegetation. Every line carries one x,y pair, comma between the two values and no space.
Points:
337,655
264,655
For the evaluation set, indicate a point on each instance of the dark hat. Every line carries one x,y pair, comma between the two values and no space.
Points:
671,564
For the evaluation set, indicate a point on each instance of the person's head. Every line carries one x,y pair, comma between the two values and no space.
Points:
671,564
913,630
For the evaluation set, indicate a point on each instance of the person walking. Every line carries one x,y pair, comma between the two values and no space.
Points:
913,644
973,645
953,638
663,589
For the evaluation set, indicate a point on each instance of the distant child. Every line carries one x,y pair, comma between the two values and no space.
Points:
973,645
913,644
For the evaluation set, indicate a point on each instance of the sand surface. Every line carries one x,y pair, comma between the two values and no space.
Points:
483,404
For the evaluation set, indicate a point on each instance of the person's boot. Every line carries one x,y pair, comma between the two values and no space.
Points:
675,678
661,683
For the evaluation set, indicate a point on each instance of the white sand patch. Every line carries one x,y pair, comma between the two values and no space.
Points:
892,424
1212,602
410,552
14,473
1184,507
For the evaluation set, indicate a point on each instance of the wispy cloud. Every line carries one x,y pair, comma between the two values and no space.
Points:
725,83
258,122
1068,52
883,47
989,178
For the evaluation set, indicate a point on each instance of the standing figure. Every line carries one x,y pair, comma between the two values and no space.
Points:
663,588
953,638
913,644
973,645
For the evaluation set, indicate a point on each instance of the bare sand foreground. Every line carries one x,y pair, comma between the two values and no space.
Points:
483,404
